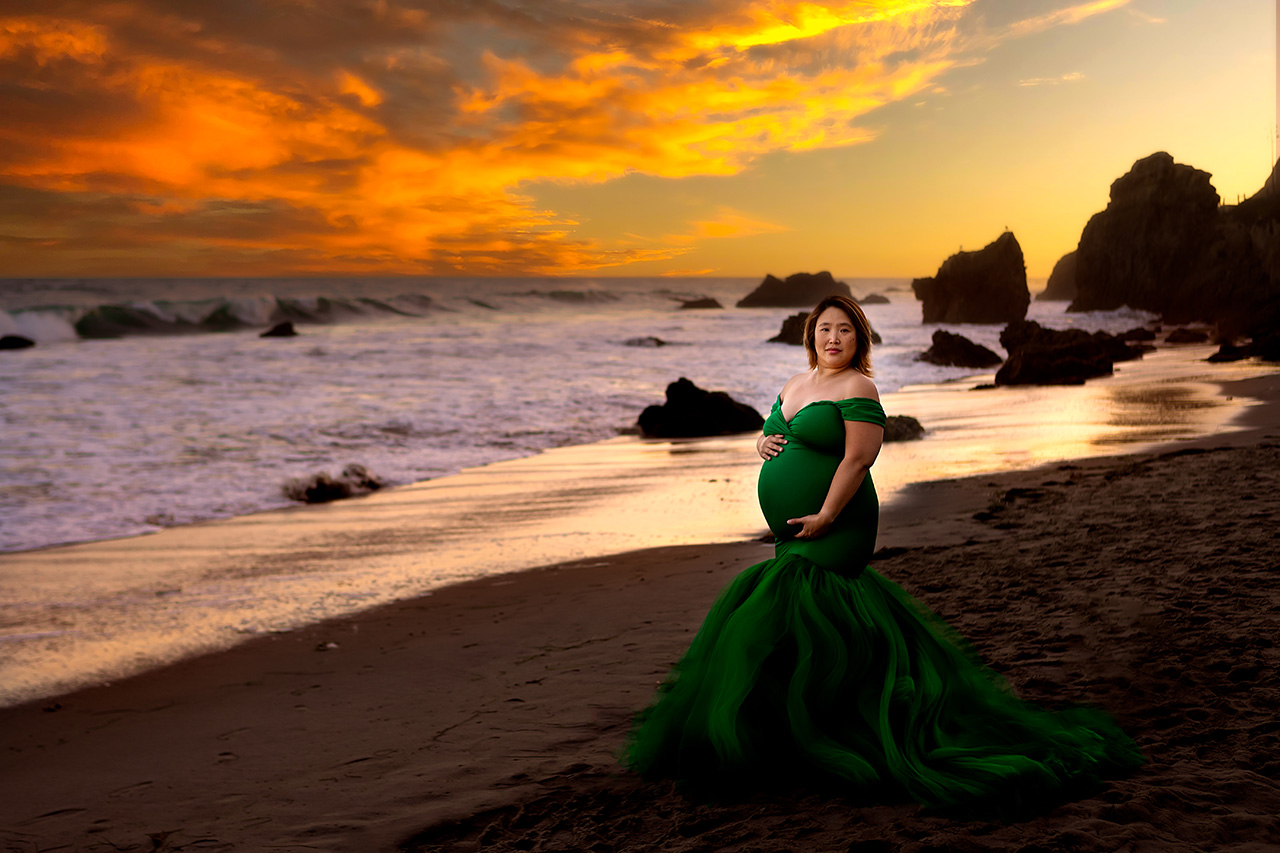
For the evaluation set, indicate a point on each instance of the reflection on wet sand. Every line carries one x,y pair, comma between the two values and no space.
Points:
82,613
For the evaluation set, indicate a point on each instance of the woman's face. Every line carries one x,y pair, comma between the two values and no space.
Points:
834,339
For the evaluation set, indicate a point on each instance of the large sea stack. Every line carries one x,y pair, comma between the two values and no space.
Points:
1164,244
986,286
801,290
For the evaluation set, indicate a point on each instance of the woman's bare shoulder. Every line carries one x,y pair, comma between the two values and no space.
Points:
860,385
791,383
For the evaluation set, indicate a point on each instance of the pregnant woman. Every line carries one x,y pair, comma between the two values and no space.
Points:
811,668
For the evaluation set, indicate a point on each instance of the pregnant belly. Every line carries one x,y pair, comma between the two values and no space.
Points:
796,483
793,484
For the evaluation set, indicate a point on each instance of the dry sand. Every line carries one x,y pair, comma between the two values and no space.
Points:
487,715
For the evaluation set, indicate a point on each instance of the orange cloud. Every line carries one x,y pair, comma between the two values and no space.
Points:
726,223
1069,15
381,137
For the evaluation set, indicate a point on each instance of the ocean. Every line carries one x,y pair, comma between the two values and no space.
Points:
184,413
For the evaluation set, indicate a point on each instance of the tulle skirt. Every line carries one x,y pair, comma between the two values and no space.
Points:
800,675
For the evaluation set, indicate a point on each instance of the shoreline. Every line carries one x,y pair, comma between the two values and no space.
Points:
442,718
220,582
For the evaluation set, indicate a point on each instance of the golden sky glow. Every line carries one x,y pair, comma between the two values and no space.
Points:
639,138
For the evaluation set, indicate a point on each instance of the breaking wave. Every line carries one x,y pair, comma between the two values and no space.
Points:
51,323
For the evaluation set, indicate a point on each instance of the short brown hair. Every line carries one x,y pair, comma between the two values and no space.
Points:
861,329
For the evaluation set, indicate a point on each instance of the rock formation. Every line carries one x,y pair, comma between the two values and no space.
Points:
1265,347
1040,356
692,412
706,302
280,330
1137,334
1187,336
1164,244
1062,281
16,342
792,331
801,290
986,286
322,487
950,350
649,341
874,299
902,428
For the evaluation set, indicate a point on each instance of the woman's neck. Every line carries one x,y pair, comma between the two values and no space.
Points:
825,374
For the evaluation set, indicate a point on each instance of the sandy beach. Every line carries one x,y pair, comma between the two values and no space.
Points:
487,714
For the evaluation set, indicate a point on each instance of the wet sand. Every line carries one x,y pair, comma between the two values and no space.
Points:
78,615
487,714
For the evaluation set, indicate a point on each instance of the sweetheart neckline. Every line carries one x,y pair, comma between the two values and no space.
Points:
814,403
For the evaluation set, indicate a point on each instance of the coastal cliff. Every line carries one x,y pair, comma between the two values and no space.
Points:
1165,244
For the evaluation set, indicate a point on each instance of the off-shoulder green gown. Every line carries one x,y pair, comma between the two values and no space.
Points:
813,668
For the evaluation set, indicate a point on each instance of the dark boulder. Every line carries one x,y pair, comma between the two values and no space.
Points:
874,299
1187,336
986,286
801,290
691,412
902,428
1137,334
1266,346
1040,356
1228,351
792,331
644,342
280,330
1062,281
951,350
706,302
322,487
1118,349
16,342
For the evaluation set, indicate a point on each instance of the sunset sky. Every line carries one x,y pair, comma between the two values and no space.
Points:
604,137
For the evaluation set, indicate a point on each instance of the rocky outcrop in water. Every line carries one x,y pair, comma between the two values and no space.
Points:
644,342
1164,244
951,350
986,286
801,290
322,487
1137,334
1187,336
1040,356
792,331
16,342
280,330
692,412
700,304
1062,281
874,299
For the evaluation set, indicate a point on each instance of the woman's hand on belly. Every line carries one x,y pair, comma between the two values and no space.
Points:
812,526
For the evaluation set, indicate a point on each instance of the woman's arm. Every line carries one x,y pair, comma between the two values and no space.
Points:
861,447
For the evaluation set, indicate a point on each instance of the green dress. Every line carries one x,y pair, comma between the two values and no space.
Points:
811,668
